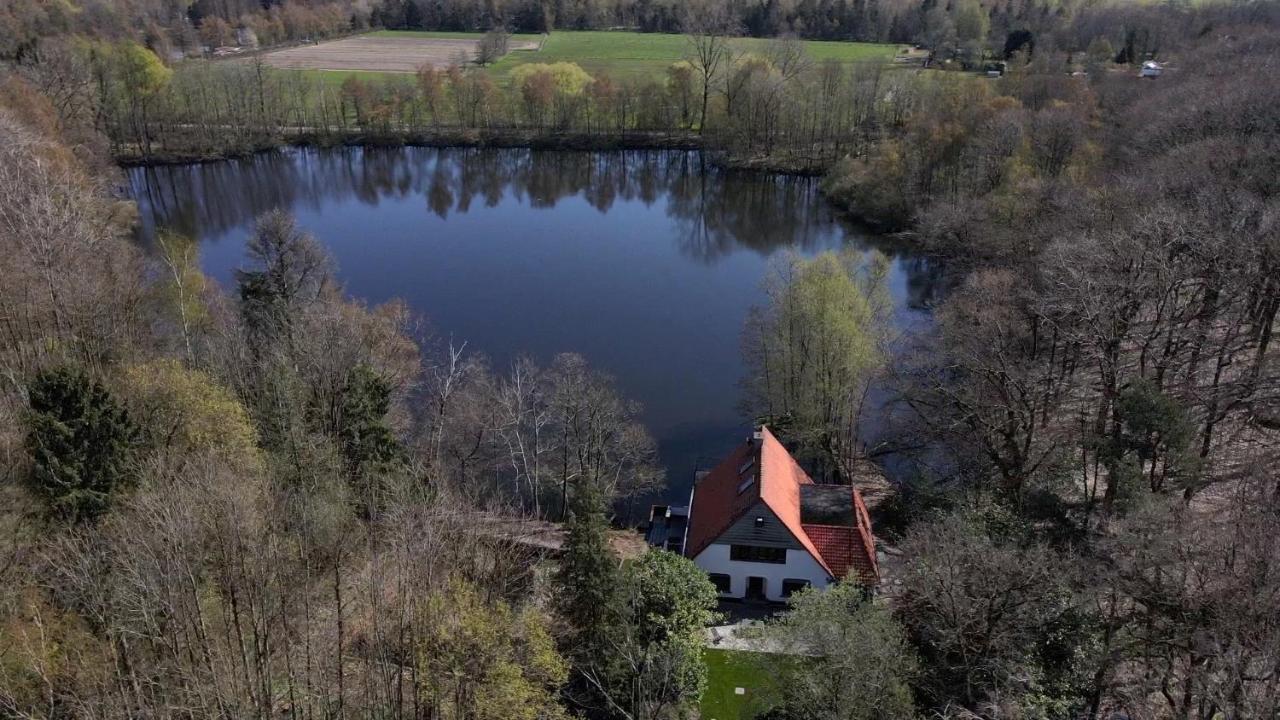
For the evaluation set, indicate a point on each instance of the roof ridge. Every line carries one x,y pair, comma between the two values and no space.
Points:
789,513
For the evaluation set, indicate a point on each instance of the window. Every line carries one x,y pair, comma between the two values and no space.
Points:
746,474
721,581
755,553
792,585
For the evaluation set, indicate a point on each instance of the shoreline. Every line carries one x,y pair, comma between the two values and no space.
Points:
507,139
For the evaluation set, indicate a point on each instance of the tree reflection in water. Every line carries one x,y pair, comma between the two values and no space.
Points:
717,211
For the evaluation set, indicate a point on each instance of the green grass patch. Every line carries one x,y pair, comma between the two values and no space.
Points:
728,670
648,55
335,77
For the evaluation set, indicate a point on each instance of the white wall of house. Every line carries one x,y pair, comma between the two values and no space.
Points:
800,565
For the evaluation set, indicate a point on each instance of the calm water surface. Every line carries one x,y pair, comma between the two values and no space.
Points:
644,262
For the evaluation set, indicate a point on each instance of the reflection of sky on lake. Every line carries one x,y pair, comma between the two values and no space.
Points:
644,262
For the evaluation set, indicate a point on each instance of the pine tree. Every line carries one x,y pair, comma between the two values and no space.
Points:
588,602
81,441
588,577
361,427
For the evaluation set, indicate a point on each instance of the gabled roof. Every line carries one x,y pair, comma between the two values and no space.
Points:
717,503
762,470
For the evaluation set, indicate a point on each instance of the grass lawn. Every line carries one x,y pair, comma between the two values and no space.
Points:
726,671
631,54
335,77
620,54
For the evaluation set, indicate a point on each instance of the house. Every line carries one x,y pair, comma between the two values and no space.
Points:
761,528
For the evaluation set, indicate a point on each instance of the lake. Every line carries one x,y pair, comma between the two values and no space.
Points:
645,262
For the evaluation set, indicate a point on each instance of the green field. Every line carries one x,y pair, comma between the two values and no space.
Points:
727,670
629,54
622,54
335,77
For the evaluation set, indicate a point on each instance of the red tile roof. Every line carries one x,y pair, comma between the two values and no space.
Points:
780,481
844,550
717,504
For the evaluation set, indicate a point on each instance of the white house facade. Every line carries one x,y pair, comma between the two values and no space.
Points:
743,580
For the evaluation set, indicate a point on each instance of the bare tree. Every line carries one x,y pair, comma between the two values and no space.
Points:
708,27
492,46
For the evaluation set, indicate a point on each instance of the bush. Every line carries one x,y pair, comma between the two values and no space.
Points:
493,45
847,659
568,78
186,412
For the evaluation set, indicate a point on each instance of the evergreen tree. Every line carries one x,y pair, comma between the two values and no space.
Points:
81,441
370,450
587,601
588,577
361,426
413,17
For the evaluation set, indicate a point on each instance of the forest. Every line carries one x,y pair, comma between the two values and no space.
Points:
272,499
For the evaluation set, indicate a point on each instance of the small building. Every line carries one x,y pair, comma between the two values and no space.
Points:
666,528
762,529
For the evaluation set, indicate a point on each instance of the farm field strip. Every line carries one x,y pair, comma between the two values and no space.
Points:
381,53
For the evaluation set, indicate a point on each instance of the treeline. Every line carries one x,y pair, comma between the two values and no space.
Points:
1137,271
778,103
861,20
